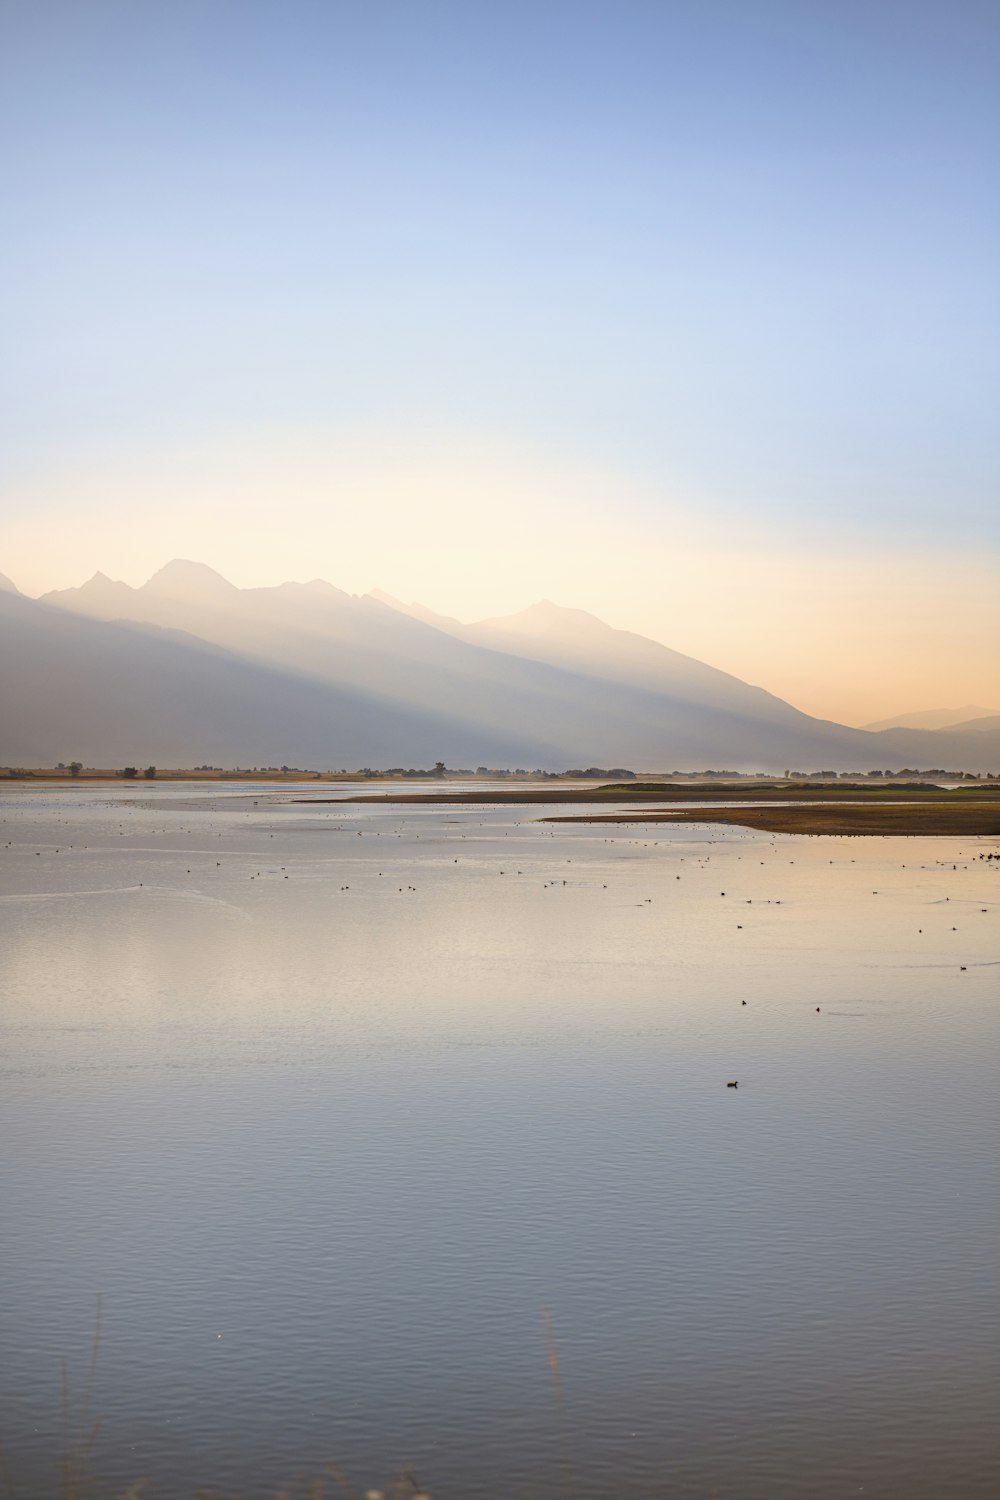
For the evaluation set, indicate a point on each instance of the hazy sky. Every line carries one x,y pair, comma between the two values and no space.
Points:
685,312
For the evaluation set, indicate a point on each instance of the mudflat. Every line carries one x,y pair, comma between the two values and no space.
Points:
668,791
920,819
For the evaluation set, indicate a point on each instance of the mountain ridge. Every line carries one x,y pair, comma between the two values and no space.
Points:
548,687
935,718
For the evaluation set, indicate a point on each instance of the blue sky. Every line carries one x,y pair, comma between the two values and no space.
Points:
737,259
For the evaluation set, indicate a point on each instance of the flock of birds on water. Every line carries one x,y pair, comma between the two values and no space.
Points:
401,829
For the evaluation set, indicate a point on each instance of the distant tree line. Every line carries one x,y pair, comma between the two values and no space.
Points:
598,773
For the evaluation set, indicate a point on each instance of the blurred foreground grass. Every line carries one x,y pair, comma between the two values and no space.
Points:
80,1430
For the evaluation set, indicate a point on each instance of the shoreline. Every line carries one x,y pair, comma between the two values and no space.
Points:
727,792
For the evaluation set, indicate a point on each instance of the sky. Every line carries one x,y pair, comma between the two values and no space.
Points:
685,312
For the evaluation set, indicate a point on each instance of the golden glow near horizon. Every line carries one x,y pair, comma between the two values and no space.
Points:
844,632
684,315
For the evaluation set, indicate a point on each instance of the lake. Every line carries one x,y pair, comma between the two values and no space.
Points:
359,1119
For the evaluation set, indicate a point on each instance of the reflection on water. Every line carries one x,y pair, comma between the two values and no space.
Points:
331,1103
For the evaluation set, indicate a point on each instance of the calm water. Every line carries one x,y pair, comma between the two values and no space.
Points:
330,1104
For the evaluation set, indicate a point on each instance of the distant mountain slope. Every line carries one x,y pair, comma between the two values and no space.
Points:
111,694
958,749
591,700
936,718
579,642
190,668
975,727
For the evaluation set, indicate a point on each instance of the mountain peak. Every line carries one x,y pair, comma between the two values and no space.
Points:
183,579
103,586
934,718
315,588
545,615
7,586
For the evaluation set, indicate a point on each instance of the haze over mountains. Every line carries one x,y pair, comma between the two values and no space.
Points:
188,669
937,718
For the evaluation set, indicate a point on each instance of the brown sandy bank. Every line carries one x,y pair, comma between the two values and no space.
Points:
924,820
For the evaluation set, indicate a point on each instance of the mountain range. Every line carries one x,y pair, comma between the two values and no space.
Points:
188,669
937,718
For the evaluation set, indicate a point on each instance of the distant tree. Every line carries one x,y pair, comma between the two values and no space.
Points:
75,767
150,773
130,773
439,768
